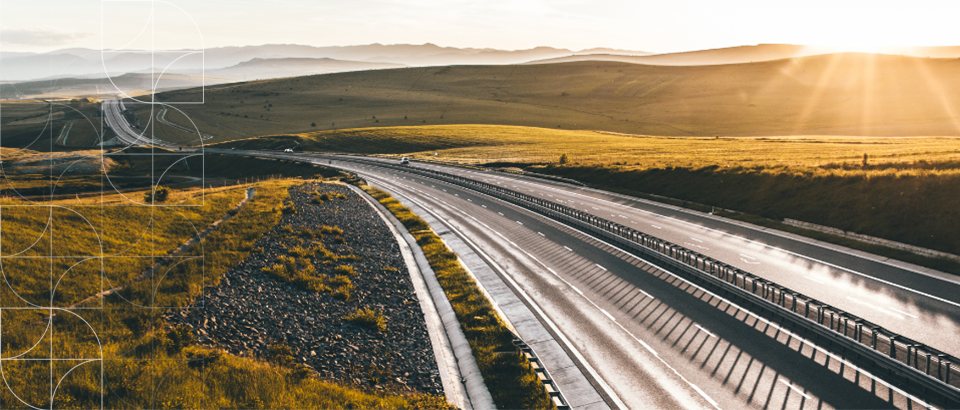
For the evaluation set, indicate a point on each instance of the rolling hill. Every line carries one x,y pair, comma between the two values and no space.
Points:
836,94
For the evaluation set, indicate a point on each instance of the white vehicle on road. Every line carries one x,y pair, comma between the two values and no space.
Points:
404,161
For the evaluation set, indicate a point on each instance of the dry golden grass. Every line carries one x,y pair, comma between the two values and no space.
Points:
506,144
839,94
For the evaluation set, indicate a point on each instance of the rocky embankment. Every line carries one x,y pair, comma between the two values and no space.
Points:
251,309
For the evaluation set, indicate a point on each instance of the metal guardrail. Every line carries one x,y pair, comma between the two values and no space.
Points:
552,390
905,363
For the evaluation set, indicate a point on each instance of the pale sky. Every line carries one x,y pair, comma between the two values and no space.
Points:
641,25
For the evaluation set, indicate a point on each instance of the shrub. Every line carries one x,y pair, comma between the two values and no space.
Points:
341,281
179,338
328,230
367,318
342,293
280,354
564,159
345,270
157,194
289,208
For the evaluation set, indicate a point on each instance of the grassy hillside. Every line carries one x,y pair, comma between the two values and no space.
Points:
908,191
54,126
508,144
838,94
146,364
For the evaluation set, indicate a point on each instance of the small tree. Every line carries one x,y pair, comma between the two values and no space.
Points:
864,160
313,124
564,159
157,194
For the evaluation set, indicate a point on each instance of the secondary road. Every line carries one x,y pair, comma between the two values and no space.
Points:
127,134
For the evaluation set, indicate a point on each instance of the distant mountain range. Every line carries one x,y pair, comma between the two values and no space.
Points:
233,64
80,62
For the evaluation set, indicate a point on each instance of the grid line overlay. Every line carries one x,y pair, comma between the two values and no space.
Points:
54,342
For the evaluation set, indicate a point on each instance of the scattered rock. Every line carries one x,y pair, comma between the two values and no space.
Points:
251,310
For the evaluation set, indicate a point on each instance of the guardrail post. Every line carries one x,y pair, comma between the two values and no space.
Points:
893,346
858,331
947,379
873,330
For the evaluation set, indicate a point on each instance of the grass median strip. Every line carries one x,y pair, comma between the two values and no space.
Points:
509,377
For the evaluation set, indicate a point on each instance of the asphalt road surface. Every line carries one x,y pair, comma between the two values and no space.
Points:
654,340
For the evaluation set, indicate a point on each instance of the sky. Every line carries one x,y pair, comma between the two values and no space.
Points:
638,25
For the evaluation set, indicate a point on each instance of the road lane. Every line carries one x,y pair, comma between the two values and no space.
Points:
909,302
655,352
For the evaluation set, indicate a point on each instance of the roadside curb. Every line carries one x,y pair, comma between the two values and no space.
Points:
459,373
567,375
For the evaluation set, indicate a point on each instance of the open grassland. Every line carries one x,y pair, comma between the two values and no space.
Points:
908,191
50,126
32,174
145,364
480,144
837,94
509,377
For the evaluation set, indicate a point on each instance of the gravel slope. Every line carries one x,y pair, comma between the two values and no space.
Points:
251,310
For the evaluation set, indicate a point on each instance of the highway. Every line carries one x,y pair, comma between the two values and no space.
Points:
655,341
910,301
127,135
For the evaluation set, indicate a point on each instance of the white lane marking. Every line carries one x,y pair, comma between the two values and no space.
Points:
501,213
905,313
814,280
705,330
751,261
541,234
575,289
650,349
601,267
645,294
794,389
608,314
799,255
698,240
549,322
593,207
567,248
878,308
656,226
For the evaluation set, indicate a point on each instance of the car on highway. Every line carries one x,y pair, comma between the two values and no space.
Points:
288,150
404,161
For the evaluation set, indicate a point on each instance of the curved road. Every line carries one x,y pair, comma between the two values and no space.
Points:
652,339
909,300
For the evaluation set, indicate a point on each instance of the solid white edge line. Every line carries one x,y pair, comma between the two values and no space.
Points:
730,303
794,388
641,342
